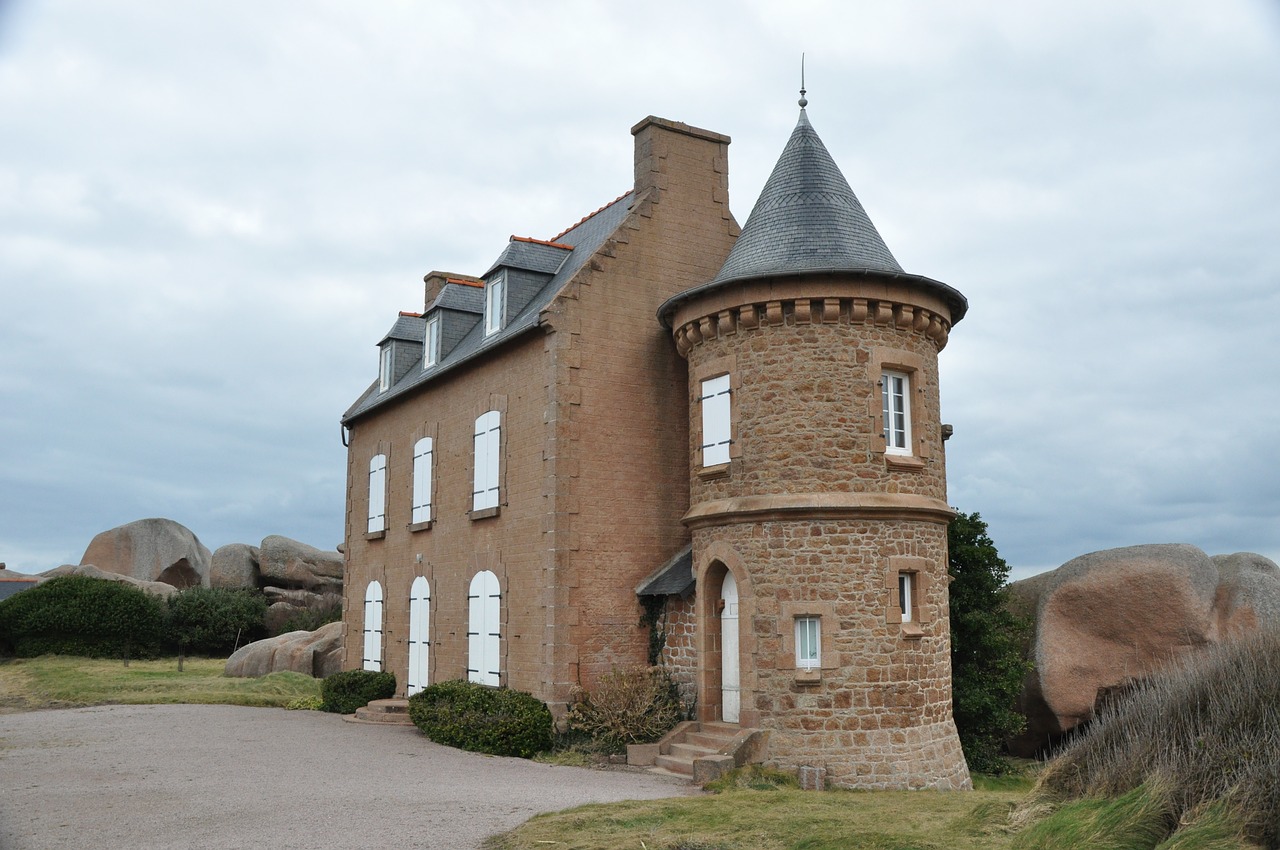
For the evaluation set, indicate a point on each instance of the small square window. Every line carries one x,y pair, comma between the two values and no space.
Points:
808,643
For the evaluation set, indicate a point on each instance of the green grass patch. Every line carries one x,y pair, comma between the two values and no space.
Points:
58,681
779,819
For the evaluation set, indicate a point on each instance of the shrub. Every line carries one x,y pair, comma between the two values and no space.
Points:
1206,729
313,617
349,690
470,716
987,666
305,704
632,706
210,621
78,615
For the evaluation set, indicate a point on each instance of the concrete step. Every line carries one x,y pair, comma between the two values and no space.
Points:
689,751
676,765
712,741
389,711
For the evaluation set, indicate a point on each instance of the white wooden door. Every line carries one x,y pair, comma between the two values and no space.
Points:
730,695
419,635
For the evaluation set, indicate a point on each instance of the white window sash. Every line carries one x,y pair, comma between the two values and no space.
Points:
422,459
716,422
895,392
384,369
377,493
905,592
494,303
808,643
431,344
488,440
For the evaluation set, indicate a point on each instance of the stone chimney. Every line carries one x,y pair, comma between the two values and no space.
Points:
674,157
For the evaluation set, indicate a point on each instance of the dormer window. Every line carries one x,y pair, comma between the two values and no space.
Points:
431,342
495,302
384,368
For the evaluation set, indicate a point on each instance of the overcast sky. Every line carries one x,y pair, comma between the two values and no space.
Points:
210,213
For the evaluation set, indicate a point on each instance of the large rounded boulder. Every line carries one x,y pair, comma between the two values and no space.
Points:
317,653
289,564
1108,619
155,588
235,567
152,550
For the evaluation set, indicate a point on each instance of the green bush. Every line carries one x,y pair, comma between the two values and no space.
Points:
212,621
497,721
78,615
311,618
987,667
633,706
1206,731
344,692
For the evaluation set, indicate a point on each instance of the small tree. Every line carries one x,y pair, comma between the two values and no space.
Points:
987,667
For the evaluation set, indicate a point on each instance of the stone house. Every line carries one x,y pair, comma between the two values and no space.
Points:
652,439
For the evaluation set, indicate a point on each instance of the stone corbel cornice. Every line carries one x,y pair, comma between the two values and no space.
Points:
819,506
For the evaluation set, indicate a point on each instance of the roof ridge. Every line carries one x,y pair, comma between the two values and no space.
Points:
548,242
584,219
478,284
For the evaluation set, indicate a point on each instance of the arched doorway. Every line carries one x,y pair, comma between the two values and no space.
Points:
419,636
730,674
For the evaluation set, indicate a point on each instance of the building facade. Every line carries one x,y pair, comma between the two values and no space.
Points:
545,483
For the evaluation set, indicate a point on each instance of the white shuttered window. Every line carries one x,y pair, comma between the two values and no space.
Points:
422,458
431,343
488,443
373,627
716,429
377,493
484,632
419,636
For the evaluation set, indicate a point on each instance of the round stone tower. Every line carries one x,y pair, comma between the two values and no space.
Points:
818,488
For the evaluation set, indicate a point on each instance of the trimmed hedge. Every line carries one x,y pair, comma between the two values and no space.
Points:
482,719
210,621
78,615
344,692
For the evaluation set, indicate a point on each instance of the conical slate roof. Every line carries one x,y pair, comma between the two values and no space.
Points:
806,219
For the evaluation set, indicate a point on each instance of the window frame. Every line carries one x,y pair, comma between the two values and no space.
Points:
495,304
423,481
906,595
486,458
377,513
808,628
386,364
715,400
902,413
431,342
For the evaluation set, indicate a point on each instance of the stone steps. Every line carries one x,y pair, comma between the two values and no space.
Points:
701,751
388,712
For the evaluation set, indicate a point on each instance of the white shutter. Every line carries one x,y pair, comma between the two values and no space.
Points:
488,442
377,493
716,426
373,627
419,636
422,459
484,632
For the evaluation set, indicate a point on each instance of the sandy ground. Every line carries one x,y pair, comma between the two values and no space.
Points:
189,776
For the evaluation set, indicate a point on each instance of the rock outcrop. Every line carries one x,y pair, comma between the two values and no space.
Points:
1108,619
156,588
289,564
317,653
235,566
151,550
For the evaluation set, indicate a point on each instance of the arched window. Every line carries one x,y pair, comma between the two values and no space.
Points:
484,630
373,627
419,636
422,458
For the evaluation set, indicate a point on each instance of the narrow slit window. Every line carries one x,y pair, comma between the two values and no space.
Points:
716,423
431,344
494,304
906,595
808,642
895,391
384,369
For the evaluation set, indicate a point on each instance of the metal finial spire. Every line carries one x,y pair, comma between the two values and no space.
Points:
803,100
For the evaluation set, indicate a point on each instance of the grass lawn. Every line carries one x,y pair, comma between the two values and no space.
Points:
56,681
742,819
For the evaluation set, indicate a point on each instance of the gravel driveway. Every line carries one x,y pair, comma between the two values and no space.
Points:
197,776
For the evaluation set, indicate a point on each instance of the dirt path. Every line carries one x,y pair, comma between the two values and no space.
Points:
188,776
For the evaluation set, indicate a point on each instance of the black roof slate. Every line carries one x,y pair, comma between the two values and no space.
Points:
534,256
674,578
410,328
459,296
585,238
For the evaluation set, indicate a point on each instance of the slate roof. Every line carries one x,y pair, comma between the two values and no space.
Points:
534,255
459,296
807,220
585,238
674,578
410,328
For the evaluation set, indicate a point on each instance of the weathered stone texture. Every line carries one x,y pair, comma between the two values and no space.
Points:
151,550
